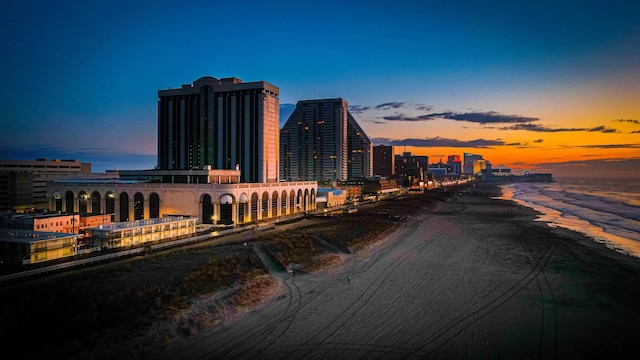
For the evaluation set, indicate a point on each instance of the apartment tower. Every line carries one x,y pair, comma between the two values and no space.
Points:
321,141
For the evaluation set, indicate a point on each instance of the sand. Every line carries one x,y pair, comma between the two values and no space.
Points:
474,278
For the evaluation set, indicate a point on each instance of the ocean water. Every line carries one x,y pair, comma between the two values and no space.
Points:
606,210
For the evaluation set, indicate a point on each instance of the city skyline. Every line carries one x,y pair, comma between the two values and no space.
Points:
547,87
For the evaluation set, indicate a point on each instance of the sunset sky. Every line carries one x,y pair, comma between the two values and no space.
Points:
546,86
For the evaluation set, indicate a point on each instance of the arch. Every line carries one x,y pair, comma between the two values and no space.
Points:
299,205
124,206
274,203
83,198
110,203
312,199
292,202
283,203
138,206
305,202
226,209
95,203
254,207
242,207
68,202
207,209
57,200
265,206
154,205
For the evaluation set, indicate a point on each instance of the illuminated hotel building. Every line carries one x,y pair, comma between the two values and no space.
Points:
321,141
468,165
221,123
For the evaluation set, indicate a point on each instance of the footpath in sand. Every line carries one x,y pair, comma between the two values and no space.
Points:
475,278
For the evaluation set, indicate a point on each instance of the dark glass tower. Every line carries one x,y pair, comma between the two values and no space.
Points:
223,123
321,141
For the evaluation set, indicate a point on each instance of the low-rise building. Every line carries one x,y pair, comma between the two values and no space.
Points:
29,247
139,232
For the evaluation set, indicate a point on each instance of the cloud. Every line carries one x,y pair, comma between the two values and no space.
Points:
424,107
489,117
542,128
377,121
611,146
635,132
390,105
603,129
538,141
439,142
403,117
632,121
357,109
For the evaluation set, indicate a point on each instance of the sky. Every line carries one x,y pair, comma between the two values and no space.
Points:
544,86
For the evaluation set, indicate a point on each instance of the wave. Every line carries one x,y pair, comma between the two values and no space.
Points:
610,217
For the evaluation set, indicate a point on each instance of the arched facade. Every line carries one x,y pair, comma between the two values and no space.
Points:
219,203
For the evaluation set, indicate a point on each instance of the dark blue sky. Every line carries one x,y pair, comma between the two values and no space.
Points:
80,78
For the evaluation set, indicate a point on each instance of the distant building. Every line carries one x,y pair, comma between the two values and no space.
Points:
481,166
468,163
438,171
412,167
377,186
500,171
221,123
23,183
359,151
383,161
321,141
454,165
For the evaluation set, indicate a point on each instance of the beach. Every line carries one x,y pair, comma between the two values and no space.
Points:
462,276
473,278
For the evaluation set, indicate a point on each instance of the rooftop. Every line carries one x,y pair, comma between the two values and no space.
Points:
30,236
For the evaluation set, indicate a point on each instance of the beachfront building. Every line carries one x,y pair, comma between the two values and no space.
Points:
223,124
139,232
213,196
321,141
383,161
29,247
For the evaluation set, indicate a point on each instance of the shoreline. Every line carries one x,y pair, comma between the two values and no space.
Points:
555,219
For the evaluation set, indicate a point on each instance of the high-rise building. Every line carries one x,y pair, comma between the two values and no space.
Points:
321,141
469,160
454,165
222,124
359,150
383,161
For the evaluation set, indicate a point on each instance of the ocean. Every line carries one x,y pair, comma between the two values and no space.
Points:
606,210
